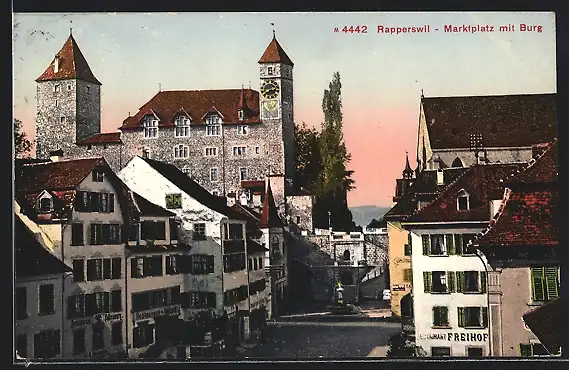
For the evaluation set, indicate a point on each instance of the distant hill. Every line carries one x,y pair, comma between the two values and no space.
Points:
363,215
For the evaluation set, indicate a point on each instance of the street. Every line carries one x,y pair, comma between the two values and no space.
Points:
287,340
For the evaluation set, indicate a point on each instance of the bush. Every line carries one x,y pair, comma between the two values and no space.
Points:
400,347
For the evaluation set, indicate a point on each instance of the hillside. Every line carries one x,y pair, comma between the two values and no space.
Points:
364,214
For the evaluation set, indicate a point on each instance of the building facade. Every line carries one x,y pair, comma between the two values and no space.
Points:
521,244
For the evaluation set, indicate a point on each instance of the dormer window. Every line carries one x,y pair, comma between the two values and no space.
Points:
45,202
150,124
182,128
463,201
98,175
213,125
241,114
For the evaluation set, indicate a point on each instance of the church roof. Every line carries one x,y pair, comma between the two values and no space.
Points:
197,103
269,215
275,54
71,65
504,120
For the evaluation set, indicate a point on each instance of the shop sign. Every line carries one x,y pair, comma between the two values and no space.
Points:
100,317
162,311
400,287
456,337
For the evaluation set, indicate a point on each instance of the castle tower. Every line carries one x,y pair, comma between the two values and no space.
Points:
405,182
277,109
68,102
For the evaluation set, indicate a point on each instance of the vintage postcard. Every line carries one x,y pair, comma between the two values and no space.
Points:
274,186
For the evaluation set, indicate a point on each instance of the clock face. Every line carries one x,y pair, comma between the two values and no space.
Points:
270,89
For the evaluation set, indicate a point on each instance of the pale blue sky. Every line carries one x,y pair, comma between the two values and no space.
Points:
382,74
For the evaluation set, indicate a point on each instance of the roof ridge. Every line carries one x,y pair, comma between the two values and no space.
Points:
485,96
495,218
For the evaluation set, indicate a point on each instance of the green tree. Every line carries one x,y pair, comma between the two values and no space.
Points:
400,347
22,146
308,158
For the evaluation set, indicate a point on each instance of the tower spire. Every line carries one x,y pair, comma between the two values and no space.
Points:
407,171
70,28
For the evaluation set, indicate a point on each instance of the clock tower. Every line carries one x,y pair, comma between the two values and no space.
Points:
276,106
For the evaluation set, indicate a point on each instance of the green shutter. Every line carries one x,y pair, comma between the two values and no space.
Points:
444,316
483,282
436,316
538,290
460,281
461,317
551,283
458,244
450,244
451,279
426,245
428,281
525,350
485,317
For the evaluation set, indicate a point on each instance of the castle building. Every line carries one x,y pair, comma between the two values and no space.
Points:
219,137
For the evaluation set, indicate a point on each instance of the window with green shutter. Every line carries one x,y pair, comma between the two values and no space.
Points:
460,281
551,282
426,245
407,249
451,279
427,281
483,282
440,316
485,317
545,283
458,244
460,317
450,244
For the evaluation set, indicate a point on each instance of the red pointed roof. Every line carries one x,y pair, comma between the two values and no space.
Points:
72,65
269,214
275,54
242,105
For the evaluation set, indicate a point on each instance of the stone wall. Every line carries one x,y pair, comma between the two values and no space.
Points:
300,211
88,110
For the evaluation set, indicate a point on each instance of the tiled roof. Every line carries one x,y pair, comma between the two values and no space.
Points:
72,65
148,208
32,259
269,215
193,189
168,105
102,138
60,175
504,120
248,212
544,322
424,189
275,54
254,247
528,214
483,183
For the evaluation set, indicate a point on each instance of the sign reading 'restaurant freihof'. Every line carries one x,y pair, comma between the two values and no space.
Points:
456,337
170,310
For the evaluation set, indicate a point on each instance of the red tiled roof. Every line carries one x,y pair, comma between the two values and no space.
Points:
541,170
269,215
424,188
544,322
196,103
246,211
102,138
72,65
483,183
504,120
275,54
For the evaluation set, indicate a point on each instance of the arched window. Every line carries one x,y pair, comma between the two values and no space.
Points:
457,163
463,200
347,255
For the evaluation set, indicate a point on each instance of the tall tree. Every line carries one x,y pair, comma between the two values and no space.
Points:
308,158
22,146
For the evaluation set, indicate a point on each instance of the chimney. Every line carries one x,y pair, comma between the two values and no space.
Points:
494,207
56,155
440,177
56,64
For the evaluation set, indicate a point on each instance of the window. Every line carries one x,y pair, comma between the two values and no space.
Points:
195,299
534,350
78,270
182,128
257,286
171,265
78,341
260,262
146,153
201,264
463,201
242,130
46,204
461,244
270,70
57,88
88,89
143,335
440,316
77,234
408,275
239,151
116,268
255,264
434,245
457,163
98,339
56,103
211,151
98,175
438,281
250,264
240,114
61,119
243,173
21,303
150,124
142,267
215,192
94,202
235,295
233,262
47,344
22,345
474,351
545,283
186,170
173,201
116,333
472,317
153,230
94,269
407,249
46,299
213,174
116,300
181,151
470,280
213,127
234,231
69,87
76,306
440,351
257,150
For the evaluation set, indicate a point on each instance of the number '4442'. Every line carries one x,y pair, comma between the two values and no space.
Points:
357,29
